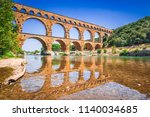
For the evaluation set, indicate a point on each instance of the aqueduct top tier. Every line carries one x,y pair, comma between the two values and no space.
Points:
23,13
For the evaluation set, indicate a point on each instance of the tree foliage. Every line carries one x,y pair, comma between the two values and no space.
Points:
56,47
131,34
8,30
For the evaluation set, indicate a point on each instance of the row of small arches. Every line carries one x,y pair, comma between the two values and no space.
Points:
31,12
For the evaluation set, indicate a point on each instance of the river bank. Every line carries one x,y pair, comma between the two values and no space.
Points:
16,66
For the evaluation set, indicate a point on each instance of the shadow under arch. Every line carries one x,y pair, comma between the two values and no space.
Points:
77,45
43,26
88,46
62,43
98,46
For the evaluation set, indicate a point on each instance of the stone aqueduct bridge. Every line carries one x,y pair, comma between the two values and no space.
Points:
23,13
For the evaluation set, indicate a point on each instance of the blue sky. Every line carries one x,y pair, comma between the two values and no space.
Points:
108,13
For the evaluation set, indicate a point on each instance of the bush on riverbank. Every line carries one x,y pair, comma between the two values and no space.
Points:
124,53
135,53
99,51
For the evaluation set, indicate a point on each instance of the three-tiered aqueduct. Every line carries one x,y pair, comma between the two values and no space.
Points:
48,19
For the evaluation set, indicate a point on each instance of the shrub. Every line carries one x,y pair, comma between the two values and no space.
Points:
99,51
63,54
105,51
124,53
9,55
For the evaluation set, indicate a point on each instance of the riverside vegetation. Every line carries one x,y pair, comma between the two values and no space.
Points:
8,31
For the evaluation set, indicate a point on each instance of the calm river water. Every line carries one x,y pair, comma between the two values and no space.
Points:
79,78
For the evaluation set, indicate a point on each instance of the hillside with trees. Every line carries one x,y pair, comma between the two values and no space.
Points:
131,34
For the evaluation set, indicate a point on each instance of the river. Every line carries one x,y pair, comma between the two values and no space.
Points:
82,78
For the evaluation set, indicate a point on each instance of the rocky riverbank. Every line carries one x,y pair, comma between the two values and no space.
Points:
18,66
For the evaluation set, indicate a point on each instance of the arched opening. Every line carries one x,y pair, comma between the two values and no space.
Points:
58,30
46,16
87,35
38,14
14,8
97,47
31,12
86,75
97,37
74,33
23,10
105,37
75,46
52,17
34,26
58,46
32,84
73,76
57,79
34,46
88,46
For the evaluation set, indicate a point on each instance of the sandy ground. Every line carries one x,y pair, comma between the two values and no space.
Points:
18,64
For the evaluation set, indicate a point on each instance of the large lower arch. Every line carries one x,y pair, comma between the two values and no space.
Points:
33,45
98,46
62,44
36,26
88,46
58,30
77,45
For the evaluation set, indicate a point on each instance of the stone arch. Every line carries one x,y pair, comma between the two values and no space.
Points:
38,20
77,45
75,33
52,18
105,36
14,8
39,14
59,30
87,35
88,46
97,37
63,45
31,12
98,46
46,16
23,10
44,44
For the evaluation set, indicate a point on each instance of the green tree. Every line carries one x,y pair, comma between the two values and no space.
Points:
72,48
8,30
56,47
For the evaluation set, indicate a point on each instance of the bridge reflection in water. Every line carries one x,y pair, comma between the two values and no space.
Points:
60,76
82,78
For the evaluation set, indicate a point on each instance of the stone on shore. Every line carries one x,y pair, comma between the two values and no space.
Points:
18,66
